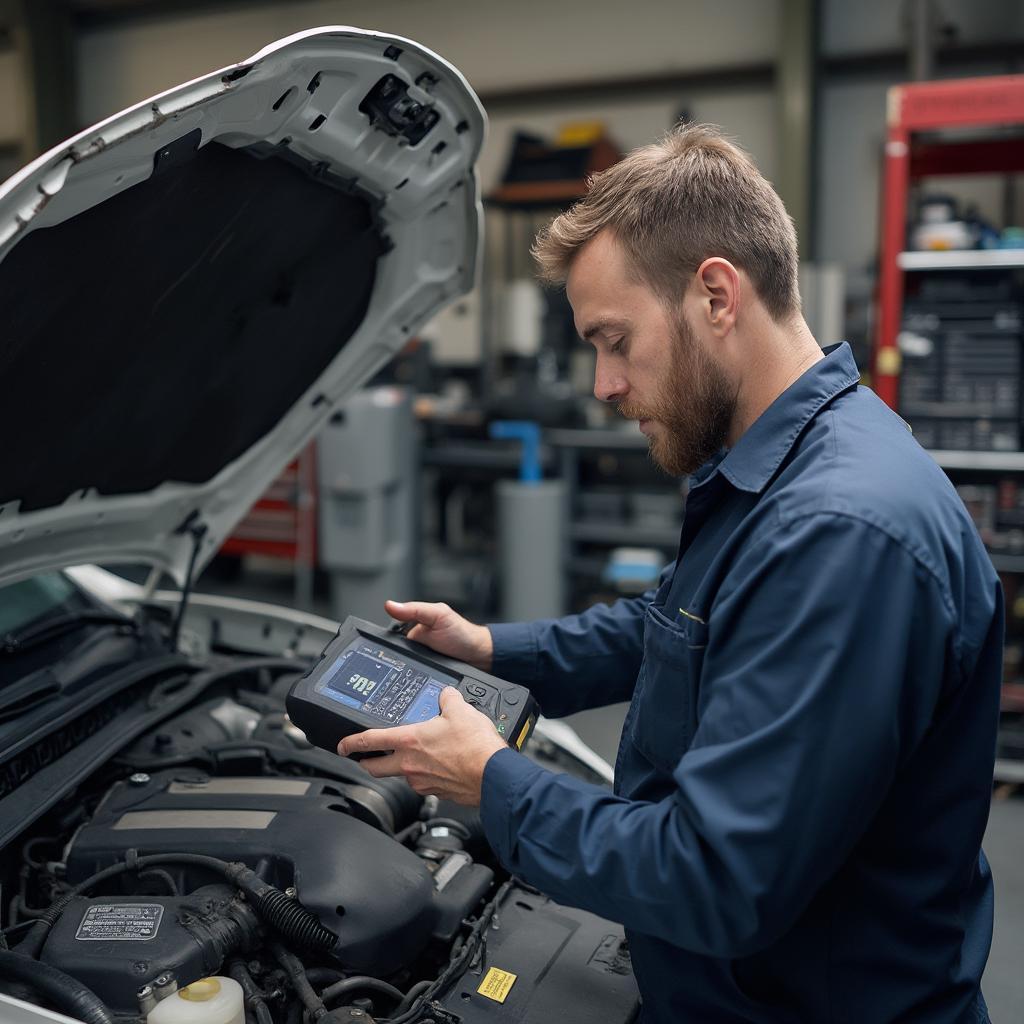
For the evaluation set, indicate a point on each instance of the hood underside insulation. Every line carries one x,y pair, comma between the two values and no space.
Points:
158,336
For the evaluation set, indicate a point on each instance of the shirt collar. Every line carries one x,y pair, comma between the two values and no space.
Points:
753,460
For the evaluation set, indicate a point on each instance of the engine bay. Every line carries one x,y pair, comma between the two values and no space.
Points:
219,844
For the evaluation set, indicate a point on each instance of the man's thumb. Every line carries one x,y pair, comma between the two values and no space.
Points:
449,699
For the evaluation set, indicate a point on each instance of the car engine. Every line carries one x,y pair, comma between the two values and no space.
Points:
220,845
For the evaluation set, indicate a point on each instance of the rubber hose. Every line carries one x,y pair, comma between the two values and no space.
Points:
361,982
288,916
68,994
253,997
293,921
321,977
417,828
411,996
163,876
297,976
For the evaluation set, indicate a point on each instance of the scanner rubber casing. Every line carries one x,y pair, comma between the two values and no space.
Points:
511,707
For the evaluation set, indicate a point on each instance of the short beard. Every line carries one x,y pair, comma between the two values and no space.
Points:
695,407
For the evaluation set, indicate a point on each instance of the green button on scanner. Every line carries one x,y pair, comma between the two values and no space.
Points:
501,728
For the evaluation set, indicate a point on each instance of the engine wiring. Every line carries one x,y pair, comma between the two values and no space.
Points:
475,943
291,967
295,924
284,914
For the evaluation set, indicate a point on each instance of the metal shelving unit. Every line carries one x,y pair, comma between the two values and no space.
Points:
995,462
571,446
915,113
927,136
623,534
1007,563
968,259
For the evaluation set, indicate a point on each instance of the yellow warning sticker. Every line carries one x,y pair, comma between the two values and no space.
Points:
496,984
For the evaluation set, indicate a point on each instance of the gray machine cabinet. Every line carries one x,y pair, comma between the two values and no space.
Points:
367,465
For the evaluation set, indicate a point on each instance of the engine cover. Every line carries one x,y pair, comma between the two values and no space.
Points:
375,894
115,945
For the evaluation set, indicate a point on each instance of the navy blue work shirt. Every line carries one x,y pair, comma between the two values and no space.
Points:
805,770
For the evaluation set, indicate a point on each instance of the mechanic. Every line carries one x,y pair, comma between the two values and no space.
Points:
805,771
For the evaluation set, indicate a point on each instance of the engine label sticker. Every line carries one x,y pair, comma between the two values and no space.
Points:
120,922
497,984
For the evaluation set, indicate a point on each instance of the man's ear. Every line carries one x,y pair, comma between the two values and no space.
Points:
719,288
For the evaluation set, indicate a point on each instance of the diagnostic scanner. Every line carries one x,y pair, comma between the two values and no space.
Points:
371,677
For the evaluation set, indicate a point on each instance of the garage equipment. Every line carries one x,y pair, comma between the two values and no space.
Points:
532,515
367,461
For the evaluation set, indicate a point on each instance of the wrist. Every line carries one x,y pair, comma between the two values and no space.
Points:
486,647
484,756
486,753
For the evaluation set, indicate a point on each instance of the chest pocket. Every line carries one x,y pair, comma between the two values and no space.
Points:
665,699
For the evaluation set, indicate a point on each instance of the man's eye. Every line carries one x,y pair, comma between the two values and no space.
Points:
616,346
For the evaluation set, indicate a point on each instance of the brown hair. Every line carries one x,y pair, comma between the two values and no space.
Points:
674,204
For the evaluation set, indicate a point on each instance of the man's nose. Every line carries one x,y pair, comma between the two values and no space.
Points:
609,385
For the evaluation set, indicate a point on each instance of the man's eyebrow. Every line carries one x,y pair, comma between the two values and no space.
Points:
601,325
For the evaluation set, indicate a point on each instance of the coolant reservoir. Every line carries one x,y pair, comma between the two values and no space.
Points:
207,1001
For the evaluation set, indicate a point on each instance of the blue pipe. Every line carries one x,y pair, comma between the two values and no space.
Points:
529,434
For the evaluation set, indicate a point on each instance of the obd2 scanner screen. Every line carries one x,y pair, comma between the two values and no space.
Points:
382,684
369,677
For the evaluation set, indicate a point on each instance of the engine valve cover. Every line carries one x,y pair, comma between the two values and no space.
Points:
376,895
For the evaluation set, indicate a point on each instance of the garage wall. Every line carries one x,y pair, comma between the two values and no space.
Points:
748,115
12,99
497,45
503,46
869,26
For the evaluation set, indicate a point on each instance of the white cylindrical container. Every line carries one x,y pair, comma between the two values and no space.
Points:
532,537
523,317
207,1001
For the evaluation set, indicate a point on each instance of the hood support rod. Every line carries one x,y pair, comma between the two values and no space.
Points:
198,532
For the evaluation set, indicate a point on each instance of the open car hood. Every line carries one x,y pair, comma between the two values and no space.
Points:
189,287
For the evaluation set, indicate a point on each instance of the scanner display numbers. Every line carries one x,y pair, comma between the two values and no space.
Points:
381,683
361,684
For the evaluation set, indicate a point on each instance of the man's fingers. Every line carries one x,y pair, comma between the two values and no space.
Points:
452,703
375,739
419,611
401,610
382,767
449,700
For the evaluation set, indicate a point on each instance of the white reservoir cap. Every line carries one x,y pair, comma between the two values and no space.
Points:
215,1000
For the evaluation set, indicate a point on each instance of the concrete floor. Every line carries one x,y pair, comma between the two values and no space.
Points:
1004,841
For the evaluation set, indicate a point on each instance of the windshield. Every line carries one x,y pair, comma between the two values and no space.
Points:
39,598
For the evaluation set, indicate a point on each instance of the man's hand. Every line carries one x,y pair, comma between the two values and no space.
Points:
445,631
444,757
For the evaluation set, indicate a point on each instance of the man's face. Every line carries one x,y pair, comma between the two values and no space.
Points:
650,361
